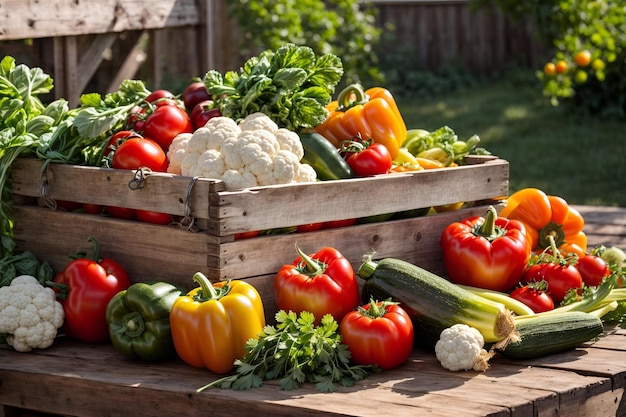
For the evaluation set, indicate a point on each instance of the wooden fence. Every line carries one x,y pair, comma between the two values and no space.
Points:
92,46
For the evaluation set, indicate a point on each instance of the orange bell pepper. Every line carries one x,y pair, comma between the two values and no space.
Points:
212,323
371,114
544,216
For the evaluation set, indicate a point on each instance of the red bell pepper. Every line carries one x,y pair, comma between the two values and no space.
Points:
378,333
84,288
490,252
322,283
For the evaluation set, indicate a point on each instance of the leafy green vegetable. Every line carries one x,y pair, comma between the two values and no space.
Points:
24,263
23,118
444,145
296,351
291,86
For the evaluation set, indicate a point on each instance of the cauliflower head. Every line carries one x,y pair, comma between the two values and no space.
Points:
29,314
460,347
255,152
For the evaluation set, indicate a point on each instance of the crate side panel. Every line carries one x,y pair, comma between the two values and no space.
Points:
147,252
413,240
162,192
283,206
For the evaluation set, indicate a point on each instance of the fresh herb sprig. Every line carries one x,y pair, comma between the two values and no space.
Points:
291,85
296,351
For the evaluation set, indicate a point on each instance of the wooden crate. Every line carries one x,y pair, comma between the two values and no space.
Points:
174,254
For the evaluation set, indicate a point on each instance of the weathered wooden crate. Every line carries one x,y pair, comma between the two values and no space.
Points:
174,254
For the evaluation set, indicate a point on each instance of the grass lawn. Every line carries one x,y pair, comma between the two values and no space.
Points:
580,159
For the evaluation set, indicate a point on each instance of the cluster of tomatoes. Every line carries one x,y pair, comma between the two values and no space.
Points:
150,129
548,281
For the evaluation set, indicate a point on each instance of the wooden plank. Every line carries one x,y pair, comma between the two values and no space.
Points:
21,19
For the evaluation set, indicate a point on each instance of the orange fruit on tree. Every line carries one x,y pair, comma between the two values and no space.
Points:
561,67
549,69
581,76
597,64
582,58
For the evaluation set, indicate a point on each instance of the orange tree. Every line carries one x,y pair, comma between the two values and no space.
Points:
588,66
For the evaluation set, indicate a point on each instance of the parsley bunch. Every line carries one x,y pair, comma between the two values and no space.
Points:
296,351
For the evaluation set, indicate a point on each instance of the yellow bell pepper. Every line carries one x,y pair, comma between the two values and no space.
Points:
212,323
371,114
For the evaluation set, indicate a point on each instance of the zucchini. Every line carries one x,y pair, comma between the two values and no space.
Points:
324,157
434,303
544,334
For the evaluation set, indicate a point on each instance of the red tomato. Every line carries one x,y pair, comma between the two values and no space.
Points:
121,212
247,235
137,118
339,223
136,153
379,333
560,278
90,285
118,138
159,95
165,124
593,269
203,112
309,227
65,205
375,159
195,93
153,217
536,299
92,208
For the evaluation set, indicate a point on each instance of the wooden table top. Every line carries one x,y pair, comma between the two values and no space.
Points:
76,379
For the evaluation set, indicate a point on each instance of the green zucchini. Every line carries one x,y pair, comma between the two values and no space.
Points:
324,157
434,303
544,334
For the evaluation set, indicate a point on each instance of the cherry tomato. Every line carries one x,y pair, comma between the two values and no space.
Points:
593,269
92,208
332,224
137,118
560,278
536,299
123,213
379,333
165,124
195,93
203,112
136,153
373,160
153,217
247,235
65,205
309,227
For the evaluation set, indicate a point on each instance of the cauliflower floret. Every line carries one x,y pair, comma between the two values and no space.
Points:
210,165
460,347
258,121
29,314
266,140
176,152
222,123
238,180
290,141
306,173
286,166
189,164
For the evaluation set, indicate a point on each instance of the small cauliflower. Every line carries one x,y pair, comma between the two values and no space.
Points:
29,314
460,347
255,152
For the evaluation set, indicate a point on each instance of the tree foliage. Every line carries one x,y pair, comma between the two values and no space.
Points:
346,28
589,40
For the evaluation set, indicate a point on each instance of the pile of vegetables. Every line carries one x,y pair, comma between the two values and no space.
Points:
520,283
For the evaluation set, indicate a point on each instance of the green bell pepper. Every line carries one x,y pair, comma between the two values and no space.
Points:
139,321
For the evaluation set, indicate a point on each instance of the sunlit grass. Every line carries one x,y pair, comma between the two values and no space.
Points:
580,159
